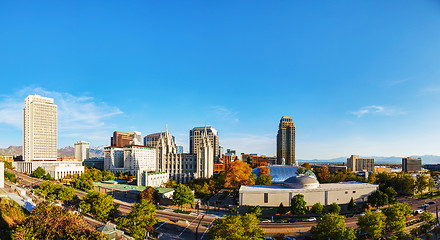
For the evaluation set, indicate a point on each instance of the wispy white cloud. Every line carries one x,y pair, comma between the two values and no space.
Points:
377,110
429,90
392,83
225,114
78,116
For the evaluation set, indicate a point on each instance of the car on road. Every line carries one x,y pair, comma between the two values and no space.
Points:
292,220
311,219
289,238
269,238
425,205
432,202
418,211
279,221
265,221
362,214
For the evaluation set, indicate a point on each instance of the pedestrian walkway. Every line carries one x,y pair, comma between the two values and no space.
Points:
28,205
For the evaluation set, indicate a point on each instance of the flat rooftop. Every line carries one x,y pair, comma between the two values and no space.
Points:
322,187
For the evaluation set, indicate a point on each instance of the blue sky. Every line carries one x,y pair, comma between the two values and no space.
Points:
358,77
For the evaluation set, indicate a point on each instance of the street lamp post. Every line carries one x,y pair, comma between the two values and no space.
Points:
197,229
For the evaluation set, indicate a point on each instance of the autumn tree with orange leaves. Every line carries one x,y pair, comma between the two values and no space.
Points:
239,173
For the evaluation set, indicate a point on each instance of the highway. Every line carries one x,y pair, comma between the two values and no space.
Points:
172,228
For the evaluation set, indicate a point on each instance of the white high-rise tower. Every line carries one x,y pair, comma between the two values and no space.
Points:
39,129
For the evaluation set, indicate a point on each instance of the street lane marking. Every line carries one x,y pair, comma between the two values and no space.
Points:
159,226
210,224
188,225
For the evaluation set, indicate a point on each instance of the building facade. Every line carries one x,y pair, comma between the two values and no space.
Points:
224,162
411,165
286,142
56,169
121,139
183,167
132,158
82,150
152,140
356,164
196,136
95,162
152,179
39,129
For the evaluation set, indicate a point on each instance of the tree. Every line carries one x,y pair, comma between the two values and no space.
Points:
265,170
47,177
98,204
182,195
298,205
170,184
317,208
351,205
404,236
372,223
426,216
334,208
238,173
264,180
391,193
236,227
307,166
65,193
396,216
378,199
149,194
281,210
140,220
10,177
322,174
56,191
429,236
255,210
332,226
49,221
39,172
421,183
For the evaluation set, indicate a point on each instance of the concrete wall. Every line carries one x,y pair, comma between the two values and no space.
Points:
311,196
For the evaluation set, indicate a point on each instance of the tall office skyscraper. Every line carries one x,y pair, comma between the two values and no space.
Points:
82,150
286,141
39,129
196,136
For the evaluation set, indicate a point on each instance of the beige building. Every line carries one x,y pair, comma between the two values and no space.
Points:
130,159
82,150
326,194
152,179
286,142
182,167
39,129
356,164
56,169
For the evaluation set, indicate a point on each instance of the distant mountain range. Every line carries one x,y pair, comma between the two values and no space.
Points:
426,159
68,151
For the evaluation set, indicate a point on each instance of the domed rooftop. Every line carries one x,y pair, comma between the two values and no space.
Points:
282,172
301,181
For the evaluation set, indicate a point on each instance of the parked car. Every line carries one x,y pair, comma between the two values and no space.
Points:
418,211
279,221
265,221
311,219
269,238
292,220
425,205
432,202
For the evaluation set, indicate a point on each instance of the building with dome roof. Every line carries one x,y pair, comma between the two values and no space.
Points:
307,185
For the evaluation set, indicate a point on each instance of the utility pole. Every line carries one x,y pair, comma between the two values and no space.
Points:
197,229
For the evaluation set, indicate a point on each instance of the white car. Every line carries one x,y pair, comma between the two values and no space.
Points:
418,211
311,219
266,221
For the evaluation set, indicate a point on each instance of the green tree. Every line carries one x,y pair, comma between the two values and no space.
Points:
10,176
426,216
372,223
47,176
98,204
49,221
404,236
182,195
332,226
334,208
416,232
378,199
65,193
149,194
170,184
317,208
298,205
140,220
236,228
39,172
264,180
429,236
391,193
422,183
351,205
281,210
396,217
255,210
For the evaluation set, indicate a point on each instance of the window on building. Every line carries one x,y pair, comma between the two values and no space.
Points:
266,197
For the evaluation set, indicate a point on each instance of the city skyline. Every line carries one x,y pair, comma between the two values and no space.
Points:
354,80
